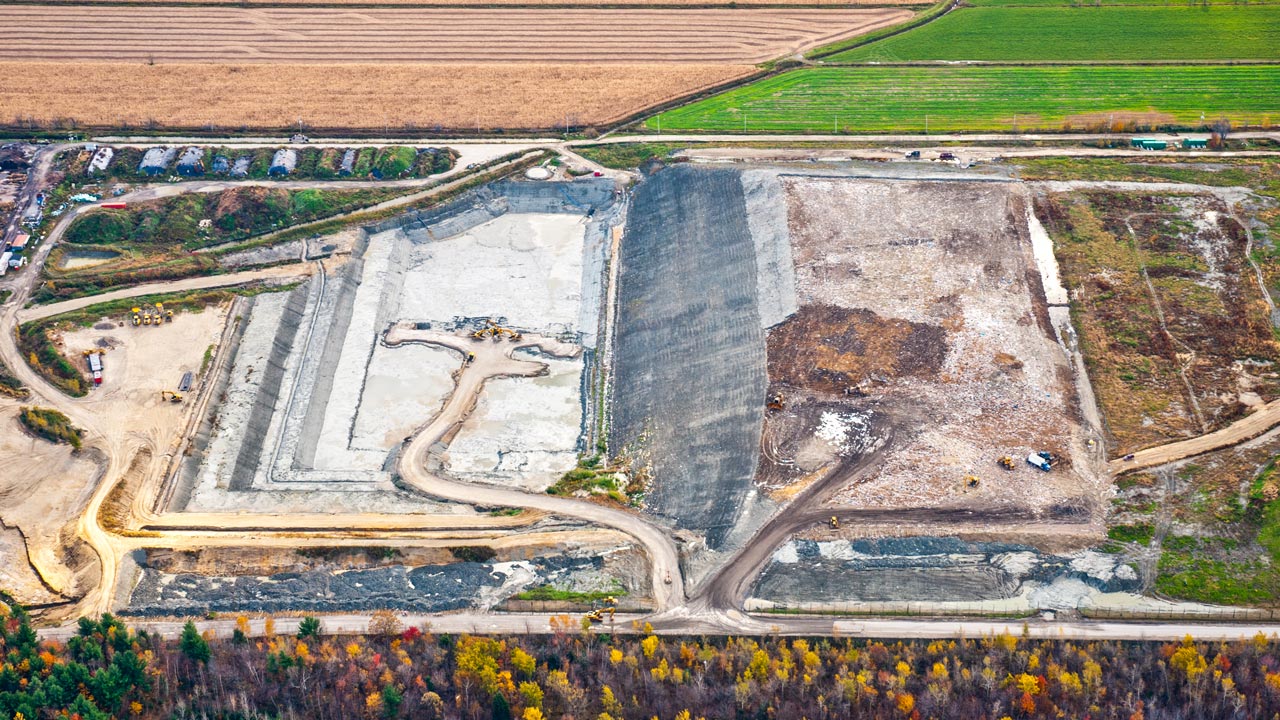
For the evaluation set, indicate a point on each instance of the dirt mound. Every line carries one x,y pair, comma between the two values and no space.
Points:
828,349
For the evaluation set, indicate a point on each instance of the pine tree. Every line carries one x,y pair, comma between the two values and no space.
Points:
194,646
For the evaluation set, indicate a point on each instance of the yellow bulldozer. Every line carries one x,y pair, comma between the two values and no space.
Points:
1006,462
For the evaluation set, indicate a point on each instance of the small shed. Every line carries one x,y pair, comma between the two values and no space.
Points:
241,166
1148,144
283,162
20,242
1195,143
191,162
348,162
100,160
156,160
221,165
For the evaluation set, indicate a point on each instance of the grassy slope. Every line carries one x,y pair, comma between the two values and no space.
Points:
866,99
1086,33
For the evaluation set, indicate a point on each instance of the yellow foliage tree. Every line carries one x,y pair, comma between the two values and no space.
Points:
649,645
531,694
523,662
1189,661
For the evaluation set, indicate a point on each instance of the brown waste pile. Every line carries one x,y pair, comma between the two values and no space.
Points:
829,349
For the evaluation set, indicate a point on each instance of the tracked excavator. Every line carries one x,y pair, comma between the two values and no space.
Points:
496,332
611,607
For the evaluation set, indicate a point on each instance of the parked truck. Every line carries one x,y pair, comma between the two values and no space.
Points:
1042,460
95,367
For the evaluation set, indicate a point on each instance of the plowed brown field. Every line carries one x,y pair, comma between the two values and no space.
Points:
372,97
392,35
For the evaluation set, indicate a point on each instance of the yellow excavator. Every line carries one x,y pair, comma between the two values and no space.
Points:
611,607
493,330
171,396
971,481
1006,462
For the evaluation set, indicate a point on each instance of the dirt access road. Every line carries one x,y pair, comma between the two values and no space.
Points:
1246,428
494,360
541,624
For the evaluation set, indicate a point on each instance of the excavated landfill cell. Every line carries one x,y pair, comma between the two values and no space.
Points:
689,367
433,588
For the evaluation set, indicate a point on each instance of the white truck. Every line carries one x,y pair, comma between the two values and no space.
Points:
95,366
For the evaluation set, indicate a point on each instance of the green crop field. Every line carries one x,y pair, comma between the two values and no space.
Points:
898,99
1029,34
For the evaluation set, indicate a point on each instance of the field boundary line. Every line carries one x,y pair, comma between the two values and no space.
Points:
939,10
1046,63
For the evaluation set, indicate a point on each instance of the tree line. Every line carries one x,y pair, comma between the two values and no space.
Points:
110,671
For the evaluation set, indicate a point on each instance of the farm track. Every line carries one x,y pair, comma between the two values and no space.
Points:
389,35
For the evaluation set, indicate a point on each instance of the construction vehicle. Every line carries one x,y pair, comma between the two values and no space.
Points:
776,401
471,357
95,364
597,614
835,523
971,481
495,331
171,396
1042,460
1006,462
137,316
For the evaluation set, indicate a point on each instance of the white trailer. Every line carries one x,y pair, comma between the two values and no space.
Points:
95,366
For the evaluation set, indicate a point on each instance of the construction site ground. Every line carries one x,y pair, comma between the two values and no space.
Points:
807,361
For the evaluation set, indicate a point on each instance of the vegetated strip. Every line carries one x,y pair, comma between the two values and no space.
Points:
974,99
1066,34
508,164
51,425
147,234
